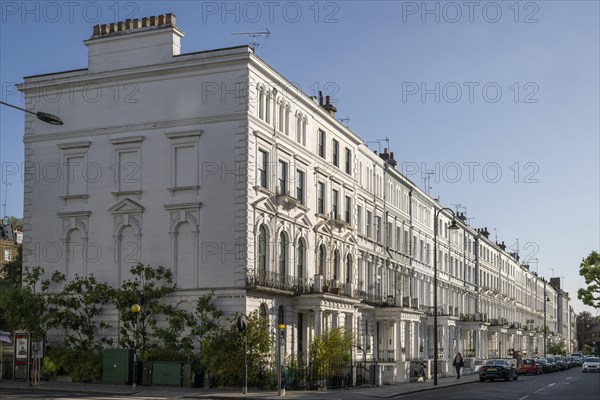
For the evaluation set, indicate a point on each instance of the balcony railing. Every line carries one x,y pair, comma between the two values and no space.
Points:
275,280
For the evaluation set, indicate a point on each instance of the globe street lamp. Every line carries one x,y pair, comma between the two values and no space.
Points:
135,309
452,226
546,299
42,116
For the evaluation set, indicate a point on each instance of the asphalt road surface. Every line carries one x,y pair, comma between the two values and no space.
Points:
7,394
566,385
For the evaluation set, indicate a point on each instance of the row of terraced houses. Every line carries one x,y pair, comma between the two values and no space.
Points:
215,165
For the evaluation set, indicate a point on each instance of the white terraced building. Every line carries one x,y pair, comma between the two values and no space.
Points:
214,165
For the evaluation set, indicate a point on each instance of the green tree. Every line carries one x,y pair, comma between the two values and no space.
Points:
334,345
148,288
223,351
590,270
11,272
76,310
26,307
557,348
16,223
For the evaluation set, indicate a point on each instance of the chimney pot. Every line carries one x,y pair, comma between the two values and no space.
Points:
320,98
170,19
137,24
104,29
128,24
153,20
145,22
161,19
326,99
121,26
114,27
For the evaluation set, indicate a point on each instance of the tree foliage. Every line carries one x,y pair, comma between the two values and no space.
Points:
26,307
334,345
588,331
590,270
16,223
76,309
559,348
223,351
10,273
148,287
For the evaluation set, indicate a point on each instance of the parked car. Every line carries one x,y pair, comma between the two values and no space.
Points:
591,364
547,366
560,364
578,360
498,369
529,366
477,364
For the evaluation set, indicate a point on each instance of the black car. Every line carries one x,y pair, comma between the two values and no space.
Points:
560,364
547,366
498,369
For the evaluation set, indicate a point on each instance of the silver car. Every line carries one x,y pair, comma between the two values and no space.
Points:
591,364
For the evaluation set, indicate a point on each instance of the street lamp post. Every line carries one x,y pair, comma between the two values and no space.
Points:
242,325
546,299
453,226
135,309
42,116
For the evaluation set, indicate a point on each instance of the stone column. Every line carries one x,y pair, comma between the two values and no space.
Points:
318,322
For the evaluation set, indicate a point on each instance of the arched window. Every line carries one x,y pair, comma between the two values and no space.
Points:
280,315
299,129
336,265
349,272
262,312
262,250
268,108
304,132
301,260
261,106
283,253
287,121
281,117
322,260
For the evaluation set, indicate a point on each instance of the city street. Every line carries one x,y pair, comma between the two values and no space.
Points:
571,384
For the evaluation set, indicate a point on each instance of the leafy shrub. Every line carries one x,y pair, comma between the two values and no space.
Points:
82,366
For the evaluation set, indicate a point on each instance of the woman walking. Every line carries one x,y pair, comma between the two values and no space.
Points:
458,364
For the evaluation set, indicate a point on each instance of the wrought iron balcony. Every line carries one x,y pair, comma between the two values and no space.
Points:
275,280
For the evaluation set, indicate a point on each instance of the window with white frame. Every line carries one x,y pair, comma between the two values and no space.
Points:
282,177
300,182
321,143
335,203
320,198
335,153
348,210
263,168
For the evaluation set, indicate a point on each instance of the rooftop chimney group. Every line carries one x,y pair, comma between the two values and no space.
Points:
330,108
160,21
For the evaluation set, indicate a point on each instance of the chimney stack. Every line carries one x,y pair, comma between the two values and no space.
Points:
133,43
330,108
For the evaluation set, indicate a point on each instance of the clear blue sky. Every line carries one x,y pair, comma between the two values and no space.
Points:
500,101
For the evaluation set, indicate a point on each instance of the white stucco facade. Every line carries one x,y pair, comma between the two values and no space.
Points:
214,165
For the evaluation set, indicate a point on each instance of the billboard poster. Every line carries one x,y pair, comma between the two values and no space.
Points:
21,347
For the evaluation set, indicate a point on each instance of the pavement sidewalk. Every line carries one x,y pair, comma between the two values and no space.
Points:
382,392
